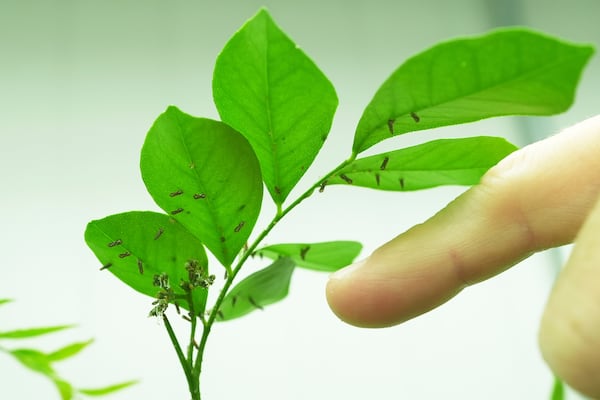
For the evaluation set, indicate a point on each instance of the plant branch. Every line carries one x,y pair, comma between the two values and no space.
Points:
194,321
231,276
192,384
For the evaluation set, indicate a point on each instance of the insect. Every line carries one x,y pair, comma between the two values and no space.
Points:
415,117
177,308
251,300
140,266
177,211
346,179
277,190
239,227
198,196
188,319
234,300
159,233
303,252
390,124
322,187
105,266
384,163
223,239
220,314
401,183
176,193
377,179
115,243
126,254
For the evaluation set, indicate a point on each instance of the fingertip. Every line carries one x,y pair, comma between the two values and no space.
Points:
379,292
353,296
344,297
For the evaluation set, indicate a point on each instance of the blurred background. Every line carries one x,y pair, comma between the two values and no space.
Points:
81,81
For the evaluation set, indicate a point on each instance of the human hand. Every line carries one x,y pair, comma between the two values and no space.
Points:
544,195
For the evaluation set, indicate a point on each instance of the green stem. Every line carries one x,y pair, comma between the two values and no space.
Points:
197,369
192,383
194,318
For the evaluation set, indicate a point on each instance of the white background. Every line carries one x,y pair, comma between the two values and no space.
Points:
81,82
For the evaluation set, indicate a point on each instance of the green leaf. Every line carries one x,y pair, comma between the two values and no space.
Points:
558,390
435,163
136,245
41,363
260,289
108,389
34,360
5,301
64,388
206,176
506,72
32,332
68,351
325,256
269,90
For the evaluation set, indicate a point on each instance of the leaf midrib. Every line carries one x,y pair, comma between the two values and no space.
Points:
208,201
271,133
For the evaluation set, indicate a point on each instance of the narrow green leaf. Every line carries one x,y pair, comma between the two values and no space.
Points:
435,163
5,301
260,289
68,351
510,71
108,389
135,246
325,256
32,332
558,390
269,90
64,388
34,360
41,363
206,176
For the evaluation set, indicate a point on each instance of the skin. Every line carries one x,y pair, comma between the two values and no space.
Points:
542,196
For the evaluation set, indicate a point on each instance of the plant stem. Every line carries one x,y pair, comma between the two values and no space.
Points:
281,213
193,383
194,318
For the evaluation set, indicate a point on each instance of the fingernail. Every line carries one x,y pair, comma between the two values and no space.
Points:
345,272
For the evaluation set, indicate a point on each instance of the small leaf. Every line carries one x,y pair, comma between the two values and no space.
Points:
41,363
64,388
265,87
260,289
32,332
108,389
206,176
506,72
68,351
558,390
5,301
159,243
34,360
325,256
431,164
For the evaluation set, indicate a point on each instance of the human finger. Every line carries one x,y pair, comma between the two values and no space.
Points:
570,329
537,197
